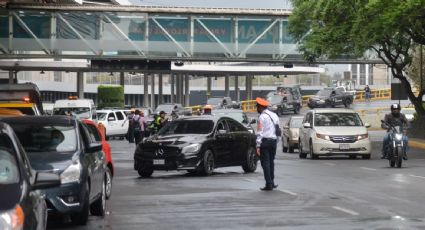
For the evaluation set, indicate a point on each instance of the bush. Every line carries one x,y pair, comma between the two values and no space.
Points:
110,96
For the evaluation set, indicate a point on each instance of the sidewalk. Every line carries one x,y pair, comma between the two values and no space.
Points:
416,143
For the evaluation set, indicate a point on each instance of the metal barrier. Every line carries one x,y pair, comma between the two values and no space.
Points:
375,94
249,106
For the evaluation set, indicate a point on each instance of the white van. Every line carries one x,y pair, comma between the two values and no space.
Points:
79,108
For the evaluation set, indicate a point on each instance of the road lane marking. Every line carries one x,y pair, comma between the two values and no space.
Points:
351,212
422,177
330,164
249,180
370,169
288,192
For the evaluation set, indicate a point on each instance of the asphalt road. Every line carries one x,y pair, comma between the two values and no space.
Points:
329,193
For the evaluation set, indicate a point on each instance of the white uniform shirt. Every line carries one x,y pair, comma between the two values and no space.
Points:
266,126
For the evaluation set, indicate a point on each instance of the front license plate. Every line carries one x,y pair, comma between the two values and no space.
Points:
344,146
159,162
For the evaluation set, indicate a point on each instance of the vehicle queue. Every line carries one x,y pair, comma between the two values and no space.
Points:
70,161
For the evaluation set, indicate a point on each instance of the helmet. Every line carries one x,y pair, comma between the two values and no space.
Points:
395,106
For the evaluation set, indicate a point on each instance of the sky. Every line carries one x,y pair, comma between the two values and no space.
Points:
273,4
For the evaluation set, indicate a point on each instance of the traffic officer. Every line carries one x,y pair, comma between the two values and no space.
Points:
267,141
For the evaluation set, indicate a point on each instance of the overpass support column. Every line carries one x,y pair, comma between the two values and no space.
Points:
11,77
160,87
172,85
248,88
122,78
177,88
146,90
153,91
226,86
186,90
209,86
238,96
80,84
181,99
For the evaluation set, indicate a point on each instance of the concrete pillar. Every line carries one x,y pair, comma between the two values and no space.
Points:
11,77
146,90
153,91
248,87
160,87
237,92
226,86
122,79
209,87
177,78
172,79
186,90
80,84
181,99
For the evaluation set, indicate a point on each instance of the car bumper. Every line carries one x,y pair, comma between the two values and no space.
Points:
65,199
324,147
180,162
293,142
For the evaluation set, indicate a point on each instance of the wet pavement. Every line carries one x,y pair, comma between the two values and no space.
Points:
329,193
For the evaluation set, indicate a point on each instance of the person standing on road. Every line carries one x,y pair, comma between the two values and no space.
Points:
130,130
139,126
267,132
367,93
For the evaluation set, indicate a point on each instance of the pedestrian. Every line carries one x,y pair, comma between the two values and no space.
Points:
367,93
139,126
162,119
130,130
267,133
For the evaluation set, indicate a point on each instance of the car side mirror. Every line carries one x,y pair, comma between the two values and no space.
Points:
111,119
94,147
253,121
45,180
367,125
307,125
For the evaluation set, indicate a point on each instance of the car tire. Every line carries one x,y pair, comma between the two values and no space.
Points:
312,154
302,154
347,103
98,208
284,148
250,164
208,163
82,217
352,156
145,169
367,156
108,183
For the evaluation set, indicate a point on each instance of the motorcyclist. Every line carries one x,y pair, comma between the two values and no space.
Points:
395,118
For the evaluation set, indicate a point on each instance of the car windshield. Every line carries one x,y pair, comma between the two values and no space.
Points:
324,92
78,112
187,127
9,173
166,108
101,116
240,117
296,122
215,101
46,138
337,119
275,99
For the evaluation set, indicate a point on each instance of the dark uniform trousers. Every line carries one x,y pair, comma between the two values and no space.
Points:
267,155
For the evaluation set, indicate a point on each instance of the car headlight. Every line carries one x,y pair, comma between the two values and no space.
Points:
323,136
13,219
398,136
363,136
193,148
72,173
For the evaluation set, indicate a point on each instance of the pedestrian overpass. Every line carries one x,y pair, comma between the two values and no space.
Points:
29,31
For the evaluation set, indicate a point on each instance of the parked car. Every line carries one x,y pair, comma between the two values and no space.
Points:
197,144
22,205
290,134
330,97
114,123
221,103
294,90
327,132
99,136
64,145
239,115
79,108
281,104
24,97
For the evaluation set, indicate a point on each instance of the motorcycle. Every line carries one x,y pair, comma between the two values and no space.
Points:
395,150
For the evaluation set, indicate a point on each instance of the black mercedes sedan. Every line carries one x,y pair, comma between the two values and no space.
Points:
22,206
197,144
65,146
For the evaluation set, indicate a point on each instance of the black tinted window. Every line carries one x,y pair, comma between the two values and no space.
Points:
235,126
187,127
119,116
93,132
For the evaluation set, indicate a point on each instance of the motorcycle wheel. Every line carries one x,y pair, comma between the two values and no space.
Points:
400,157
392,162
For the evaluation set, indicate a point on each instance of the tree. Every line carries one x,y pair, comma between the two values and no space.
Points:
414,69
110,96
391,28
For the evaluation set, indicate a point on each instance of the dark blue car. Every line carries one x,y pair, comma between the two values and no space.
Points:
65,146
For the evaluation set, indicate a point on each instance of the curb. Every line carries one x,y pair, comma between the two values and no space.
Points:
417,144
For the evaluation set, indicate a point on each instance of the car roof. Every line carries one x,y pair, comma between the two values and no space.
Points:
202,117
227,111
333,110
48,120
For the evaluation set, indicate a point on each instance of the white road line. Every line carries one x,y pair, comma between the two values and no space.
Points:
370,169
330,164
249,180
351,212
422,177
288,192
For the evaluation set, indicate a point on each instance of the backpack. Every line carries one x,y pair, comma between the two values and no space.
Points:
136,125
